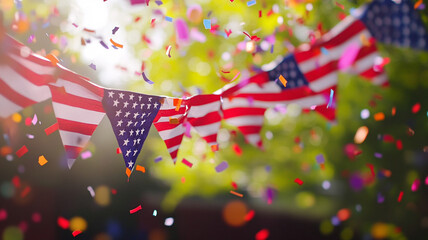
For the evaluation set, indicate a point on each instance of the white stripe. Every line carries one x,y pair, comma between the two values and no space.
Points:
366,63
77,114
34,67
7,107
379,80
253,120
268,87
23,86
325,82
304,102
76,89
74,139
333,54
171,133
202,110
172,149
209,129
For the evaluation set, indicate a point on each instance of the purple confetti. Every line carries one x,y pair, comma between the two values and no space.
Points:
103,44
380,198
187,132
158,159
320,158
86,154
378,155
146,79
115,30
31,39
159,3
93,66
221,167
271,49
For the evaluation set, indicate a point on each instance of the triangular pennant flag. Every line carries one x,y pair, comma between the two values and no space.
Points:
78,109
23,77
131,116
169,123
204,116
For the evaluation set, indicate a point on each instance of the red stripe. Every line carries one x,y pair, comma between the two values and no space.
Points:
72,152
199,100
174,141
174,154
14,96
29,75
77,127
162,126
169,112
210,118
329,113
355,28
250,129
239,112
210,138
75,101
370,73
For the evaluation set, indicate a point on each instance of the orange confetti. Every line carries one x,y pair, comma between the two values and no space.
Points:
174,121
214,148
393,111
177,103
140,168
283,81
42,160
361,134
54,60
116,44
417,4
236,194
379,116
128,172
5,150
343,214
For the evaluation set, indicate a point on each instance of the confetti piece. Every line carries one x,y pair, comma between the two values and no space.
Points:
234,185
330,102
340,5
236,194
169,221
116,44
262,234
159,2
379,116
237,149
169,19
114,30
146,79
168,51
214,148
417,4
103,44
380,198
91,191
86,154
187,163
207,23
76,232
53,59
283,81
416,108
25,192
75,25
42,160
400,196
132,211
23,150
93,66
30,136
88,30
177,103
63,223
349,56
393,111
249,216
158,159
378,155
320,158
221,167
361,134
34,121
118,151
228,32
183,179
415,185
251,3
369,165
155,212
140,168
388,138
298,181
174,120
128,172
399,144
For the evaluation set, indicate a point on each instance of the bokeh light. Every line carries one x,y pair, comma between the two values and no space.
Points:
102,196
234,213
78,223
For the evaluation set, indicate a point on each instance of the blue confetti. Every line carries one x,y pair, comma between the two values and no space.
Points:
93,66
251,3
207,23
147,81
169,19
331,98
158,159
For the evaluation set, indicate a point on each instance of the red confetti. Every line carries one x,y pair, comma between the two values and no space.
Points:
16,182
118,151
51,129
260,13
298,181
228,32
262,234
234,185
132,211
416,108
113,191
25,192
75,233
369,165
187,163
399,144
388,138
237,149
63,223
249,215
23,150
400,196
340,5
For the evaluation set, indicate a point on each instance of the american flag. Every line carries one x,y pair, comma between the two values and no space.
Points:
204,115
78,109
131,116
169,123
23,77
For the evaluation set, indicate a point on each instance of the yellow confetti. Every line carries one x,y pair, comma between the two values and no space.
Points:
42,160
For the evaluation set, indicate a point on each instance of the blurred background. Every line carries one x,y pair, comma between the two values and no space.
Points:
340,199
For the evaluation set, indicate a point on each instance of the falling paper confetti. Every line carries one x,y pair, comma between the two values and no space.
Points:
169,221
222,166
93,66
236,194
91,191
168,51
132,211
146,79
251,3
330,102
187,163
298,181
23,150
207,23
155,213
42,160
115,30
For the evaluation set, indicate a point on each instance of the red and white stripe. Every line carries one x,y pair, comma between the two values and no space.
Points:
204,116
78,108
321,69
171,133
22,78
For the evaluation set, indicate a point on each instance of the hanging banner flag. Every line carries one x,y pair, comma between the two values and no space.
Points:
131,115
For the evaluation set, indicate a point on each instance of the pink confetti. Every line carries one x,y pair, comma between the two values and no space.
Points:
400,197
132,211
34,121
349,56
187,163
86,154
415,185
